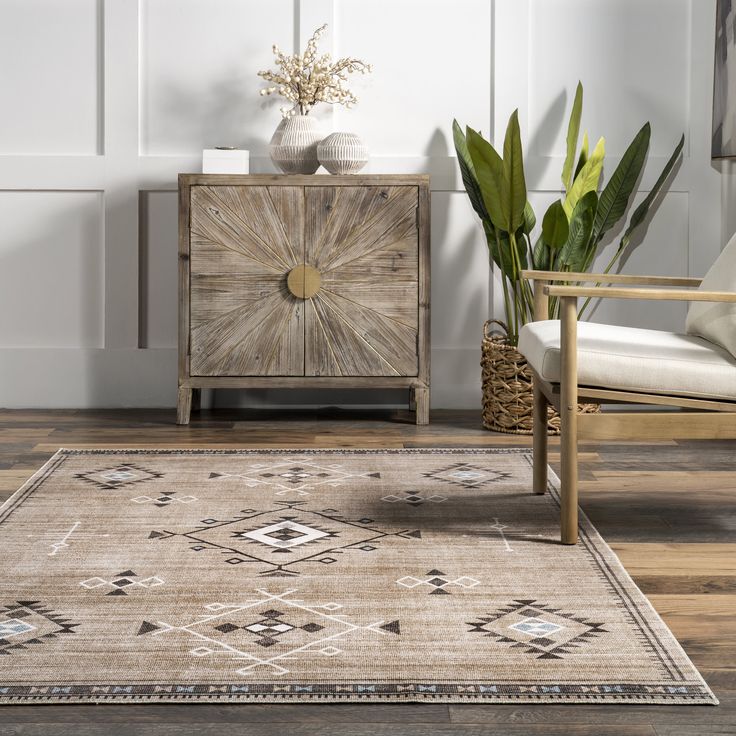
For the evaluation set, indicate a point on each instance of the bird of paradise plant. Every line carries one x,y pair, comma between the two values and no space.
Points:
573,227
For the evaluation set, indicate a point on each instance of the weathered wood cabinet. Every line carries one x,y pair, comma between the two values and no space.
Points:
303,281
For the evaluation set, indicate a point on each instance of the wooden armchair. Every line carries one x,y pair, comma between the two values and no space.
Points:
595,363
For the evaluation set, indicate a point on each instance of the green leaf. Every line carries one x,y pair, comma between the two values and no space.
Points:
573,130
488,167
541,255
583,155
588,178
575,252
513,193
470,181
641,212
529,219
490,232
501,254
555,227
615,196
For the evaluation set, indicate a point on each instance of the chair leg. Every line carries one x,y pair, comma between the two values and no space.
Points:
569,417
539,409
569,462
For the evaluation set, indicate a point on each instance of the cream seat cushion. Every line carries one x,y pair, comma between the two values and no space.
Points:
711,320
634,359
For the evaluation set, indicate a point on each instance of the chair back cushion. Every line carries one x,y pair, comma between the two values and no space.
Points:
710,320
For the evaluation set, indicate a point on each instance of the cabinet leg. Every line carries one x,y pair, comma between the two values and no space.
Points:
421,399
183,405
412,402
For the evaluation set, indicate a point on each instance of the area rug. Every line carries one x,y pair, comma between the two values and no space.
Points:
317,575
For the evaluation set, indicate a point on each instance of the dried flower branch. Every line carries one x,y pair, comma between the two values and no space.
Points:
307,79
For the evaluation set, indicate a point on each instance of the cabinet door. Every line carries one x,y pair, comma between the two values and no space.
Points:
243,320
363,242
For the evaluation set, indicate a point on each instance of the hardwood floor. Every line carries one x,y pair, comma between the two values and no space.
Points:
667,508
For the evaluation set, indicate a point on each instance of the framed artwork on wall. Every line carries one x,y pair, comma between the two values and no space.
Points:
724,82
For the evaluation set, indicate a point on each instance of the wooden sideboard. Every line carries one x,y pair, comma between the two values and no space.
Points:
304,282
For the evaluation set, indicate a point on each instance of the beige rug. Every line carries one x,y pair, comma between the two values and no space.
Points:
346,575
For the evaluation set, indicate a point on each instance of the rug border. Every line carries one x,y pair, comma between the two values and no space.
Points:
554,484
10,502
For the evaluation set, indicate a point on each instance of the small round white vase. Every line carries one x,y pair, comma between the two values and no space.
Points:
342,153
293,147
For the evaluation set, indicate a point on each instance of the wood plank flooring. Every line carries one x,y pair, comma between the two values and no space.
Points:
667,508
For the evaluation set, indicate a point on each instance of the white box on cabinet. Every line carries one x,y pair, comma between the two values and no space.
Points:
225,161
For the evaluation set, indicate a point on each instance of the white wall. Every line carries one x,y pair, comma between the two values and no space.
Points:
105,101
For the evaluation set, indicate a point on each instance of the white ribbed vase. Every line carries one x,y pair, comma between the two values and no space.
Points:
293,147
342,153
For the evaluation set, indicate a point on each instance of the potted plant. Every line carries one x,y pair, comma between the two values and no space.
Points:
305,80
572,230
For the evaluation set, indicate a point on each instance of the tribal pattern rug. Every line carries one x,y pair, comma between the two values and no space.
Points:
317,575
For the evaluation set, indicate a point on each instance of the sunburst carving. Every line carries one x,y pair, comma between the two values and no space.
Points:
244,321
362,320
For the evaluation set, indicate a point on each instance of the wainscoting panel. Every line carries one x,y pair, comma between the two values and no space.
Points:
421,80
459,267
51,271
158,270
609,47
50,85
198,72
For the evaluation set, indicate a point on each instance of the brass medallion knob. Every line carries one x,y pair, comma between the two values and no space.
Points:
304,281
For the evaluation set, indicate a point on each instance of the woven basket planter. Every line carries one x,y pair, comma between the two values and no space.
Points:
507,387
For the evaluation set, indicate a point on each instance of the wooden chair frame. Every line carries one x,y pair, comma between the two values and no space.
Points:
698,418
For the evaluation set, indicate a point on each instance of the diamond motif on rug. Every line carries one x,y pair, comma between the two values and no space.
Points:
29,623
13,627
299,475
118,476
467,475
122,583
295,475
284,534
270,638
166,498
537,629
268,629
306,536
438,582
414,498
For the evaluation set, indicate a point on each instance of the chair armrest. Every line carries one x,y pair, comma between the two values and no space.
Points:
653,294
610,278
